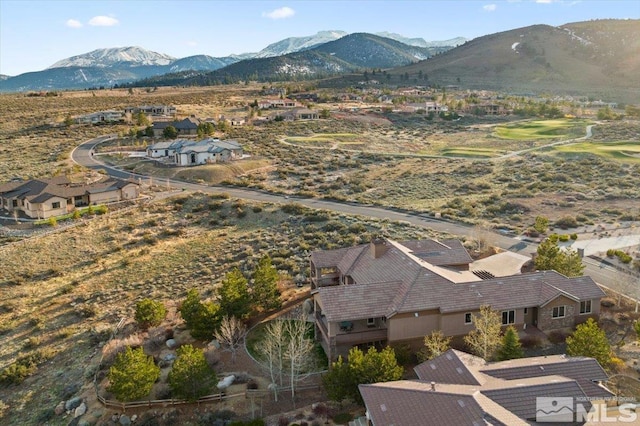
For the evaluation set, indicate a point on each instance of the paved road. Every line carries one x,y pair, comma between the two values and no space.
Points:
606,276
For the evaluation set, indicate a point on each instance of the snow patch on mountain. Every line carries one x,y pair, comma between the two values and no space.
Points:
296,44
136,56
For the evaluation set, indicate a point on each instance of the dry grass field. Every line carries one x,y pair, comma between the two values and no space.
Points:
62,294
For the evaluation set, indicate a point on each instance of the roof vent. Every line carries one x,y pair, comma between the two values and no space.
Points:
383,407
459,370
433,366
461,403
433,386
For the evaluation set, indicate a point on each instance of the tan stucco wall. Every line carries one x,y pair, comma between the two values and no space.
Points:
130,192
408,326
45,210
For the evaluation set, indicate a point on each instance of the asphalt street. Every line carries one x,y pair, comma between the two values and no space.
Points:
601,273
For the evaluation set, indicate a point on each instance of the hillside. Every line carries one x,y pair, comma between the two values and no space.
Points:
598,58
347,54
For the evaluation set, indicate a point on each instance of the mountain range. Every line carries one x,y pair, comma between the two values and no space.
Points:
599,58
111,66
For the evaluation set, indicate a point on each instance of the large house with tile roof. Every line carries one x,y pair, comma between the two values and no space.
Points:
193,153
457,388
388,292
45,198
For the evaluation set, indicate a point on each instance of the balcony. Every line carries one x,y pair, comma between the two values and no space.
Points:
325,280
360,333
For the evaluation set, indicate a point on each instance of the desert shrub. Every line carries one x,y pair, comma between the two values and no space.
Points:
573,236
566,222
563,237
283,421
607,302
558,336
342,418
530,342
256,209
293,208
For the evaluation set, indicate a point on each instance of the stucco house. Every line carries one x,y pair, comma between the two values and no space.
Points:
152,111
100,117
298,114
192,153
45,198
398,292
457,388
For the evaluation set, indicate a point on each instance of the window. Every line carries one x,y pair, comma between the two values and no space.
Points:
525,311
55,205
371,322
467,318
14,203
508,317
558,312
585,307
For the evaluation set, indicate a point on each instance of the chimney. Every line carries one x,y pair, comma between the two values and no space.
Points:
433,386
378,247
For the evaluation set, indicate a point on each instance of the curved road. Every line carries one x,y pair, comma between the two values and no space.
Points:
602,274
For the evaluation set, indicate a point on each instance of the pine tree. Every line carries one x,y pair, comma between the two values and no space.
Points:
550,257
132,375
191,377
265,291
201,319
511,347
233,295
590,340
149,313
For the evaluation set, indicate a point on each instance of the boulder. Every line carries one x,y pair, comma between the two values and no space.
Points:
134,417
226,382
80,410
73,403
169,357
59,410
171,343
125,420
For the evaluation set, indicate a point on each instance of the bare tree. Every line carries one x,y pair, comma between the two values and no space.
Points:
286,351
298,351
485,339
231,335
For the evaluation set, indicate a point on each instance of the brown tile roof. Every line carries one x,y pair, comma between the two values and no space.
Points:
40,190
499,393
426,286
353,302
452,367
439,253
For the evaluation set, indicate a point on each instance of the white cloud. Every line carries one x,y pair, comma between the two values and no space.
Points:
192,43
489,7
72,23
544,1
281,13
103,21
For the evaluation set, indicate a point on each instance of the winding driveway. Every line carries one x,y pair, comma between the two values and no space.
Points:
601,273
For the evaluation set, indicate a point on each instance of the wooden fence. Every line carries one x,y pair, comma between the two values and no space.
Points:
165,402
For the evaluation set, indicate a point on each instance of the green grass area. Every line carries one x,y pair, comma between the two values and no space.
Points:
470,152
617,151
97,209
541,129
321,138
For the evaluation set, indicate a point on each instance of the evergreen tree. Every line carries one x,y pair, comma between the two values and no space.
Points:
170,132
362,368
511,347
550,257
201,319
265,291
149,313
590,340
191,377
132,375
233,295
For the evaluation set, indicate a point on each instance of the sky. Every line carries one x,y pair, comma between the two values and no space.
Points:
36,34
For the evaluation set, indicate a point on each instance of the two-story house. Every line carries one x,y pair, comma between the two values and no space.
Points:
389,292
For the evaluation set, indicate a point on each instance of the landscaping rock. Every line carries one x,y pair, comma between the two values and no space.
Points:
83,423
171,343
80,410
134,417
70,390
73,403
214,344
169,357
59,410
125,420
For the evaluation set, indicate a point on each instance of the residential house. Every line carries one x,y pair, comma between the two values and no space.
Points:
100,117
398,292
277,103
45,198
152,111
185,127
457,388
192,153
298,114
